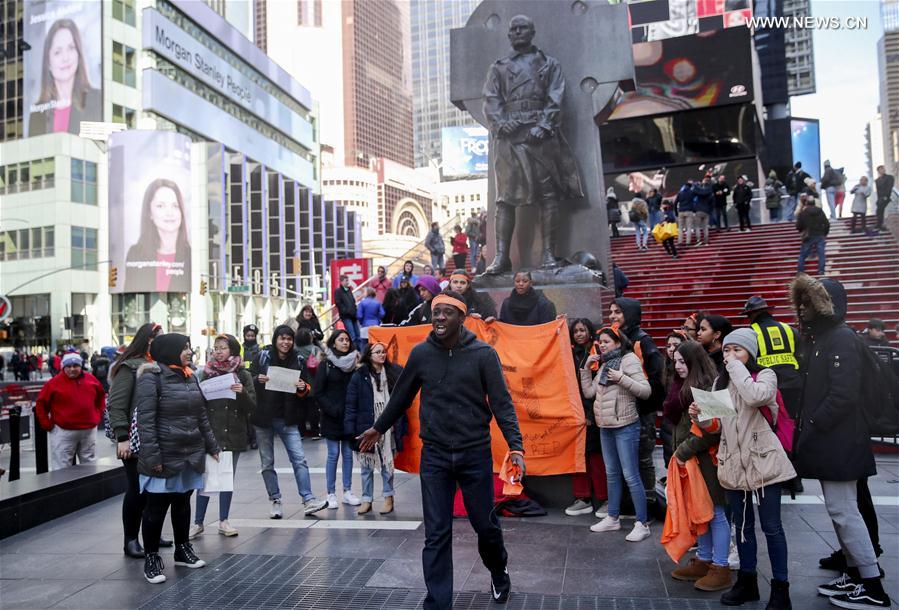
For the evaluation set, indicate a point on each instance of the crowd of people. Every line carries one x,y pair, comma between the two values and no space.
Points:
701,204
345,389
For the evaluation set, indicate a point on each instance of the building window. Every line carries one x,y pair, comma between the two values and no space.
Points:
123,64
84,248
22,244
84,182
302,18
123,114
27,176
123,10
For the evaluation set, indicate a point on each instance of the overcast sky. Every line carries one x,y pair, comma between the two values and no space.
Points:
847,83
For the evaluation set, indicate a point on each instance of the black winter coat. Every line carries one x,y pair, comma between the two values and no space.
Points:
461,390
360,404
291,407
543,312
742,195
329,389
172,422
228,417
345,302
653,361
832,440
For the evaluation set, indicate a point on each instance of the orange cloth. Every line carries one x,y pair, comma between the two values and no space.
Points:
540,374
511,475
186,370
712,429
690,508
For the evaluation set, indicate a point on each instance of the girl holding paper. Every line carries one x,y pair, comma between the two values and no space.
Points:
694,369
751,459
615,390
228,418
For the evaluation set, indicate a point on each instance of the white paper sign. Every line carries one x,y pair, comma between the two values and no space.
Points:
219,476
713,404
219,387
282,380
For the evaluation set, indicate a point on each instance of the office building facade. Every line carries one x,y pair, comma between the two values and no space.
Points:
208,120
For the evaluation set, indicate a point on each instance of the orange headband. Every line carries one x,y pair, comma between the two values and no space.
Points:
614,330
460,274
445,299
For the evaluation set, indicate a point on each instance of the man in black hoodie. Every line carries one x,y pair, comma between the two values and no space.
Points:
627,314
832,440
462,388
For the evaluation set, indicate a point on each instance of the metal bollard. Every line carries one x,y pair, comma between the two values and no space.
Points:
14,442
41,462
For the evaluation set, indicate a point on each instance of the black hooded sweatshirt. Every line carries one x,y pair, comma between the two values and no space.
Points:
653,363
461,389
832,441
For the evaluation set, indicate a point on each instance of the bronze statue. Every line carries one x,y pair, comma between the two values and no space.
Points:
532,162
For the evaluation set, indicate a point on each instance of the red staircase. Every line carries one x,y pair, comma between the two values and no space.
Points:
719,277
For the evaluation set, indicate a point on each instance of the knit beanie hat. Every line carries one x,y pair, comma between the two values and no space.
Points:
251,328
166,349
745,338
72,359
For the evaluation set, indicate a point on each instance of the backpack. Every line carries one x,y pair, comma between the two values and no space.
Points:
633,216
880,391
783,425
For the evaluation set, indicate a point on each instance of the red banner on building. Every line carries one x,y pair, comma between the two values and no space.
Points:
357,269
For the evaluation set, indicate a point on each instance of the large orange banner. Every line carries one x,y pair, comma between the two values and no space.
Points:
540,374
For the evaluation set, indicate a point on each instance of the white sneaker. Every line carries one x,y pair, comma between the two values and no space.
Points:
579,508
351,499
195,530
276,512
603,511
640,532
313,506
225,529
332,501
609,524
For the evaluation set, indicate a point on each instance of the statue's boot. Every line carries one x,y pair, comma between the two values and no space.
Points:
549,227
505,226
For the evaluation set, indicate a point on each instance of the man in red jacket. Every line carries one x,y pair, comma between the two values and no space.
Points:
70,406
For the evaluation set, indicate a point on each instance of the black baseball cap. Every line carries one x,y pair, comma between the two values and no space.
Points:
754,303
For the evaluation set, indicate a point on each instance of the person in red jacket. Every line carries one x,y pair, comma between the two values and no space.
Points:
460,248
70,406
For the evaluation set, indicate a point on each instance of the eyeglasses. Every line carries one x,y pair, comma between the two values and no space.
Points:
688,328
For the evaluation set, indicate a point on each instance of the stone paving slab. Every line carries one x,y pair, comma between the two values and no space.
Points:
555,561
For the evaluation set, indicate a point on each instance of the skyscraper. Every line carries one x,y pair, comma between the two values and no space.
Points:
432,109
888,74
799,50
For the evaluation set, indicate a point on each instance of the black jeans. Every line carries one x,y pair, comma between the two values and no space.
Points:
441,471
881,209
855,217
154,517
866,508
743,214
134,501
670,246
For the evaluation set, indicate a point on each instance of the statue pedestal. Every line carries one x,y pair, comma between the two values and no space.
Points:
575,290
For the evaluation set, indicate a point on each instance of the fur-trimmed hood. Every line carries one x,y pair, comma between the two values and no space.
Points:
826,296
148,367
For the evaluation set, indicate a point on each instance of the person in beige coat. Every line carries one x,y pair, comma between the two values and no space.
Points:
615,390
752,459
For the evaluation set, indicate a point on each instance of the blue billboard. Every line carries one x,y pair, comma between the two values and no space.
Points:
805,136
464,151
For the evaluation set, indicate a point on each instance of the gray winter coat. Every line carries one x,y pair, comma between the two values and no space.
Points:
120,402
860,201
172,422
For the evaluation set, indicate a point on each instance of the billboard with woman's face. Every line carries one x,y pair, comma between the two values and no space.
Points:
64,69
149,211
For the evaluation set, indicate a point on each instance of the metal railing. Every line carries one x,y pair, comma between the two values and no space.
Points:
16,420
890,356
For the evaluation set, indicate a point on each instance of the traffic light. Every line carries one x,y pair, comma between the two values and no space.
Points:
202,287
113,277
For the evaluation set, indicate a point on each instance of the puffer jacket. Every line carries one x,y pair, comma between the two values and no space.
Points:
228,417
615,405
329,390
120,402
172,422
750,455
832,440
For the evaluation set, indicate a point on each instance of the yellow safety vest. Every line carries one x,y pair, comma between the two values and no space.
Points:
777,345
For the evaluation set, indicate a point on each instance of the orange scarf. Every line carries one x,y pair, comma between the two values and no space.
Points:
185,370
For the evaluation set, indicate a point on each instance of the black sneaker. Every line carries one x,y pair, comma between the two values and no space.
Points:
185,556
836,562
838,586
501,586
153,568
867,594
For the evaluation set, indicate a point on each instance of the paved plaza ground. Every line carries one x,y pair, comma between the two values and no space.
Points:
337,559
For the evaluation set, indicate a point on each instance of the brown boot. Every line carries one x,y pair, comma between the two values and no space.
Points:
694,570
717,579
387,508
364,508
